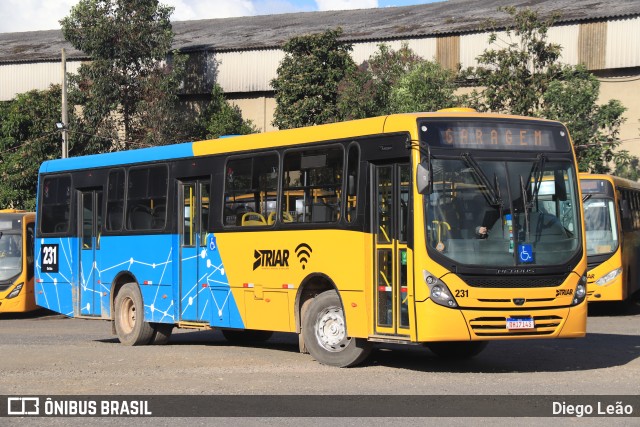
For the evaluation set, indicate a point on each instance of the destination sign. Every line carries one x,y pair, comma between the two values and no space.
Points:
494,135
596,186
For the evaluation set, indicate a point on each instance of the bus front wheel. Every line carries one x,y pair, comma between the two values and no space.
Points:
325,333
129,317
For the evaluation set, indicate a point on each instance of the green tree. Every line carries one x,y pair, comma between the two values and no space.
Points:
366,90
27,138
308,77
221,118
594,128
525,77
426,87
127,41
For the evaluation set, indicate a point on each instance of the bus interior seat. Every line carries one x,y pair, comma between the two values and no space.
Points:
159,214
253,219
114,216
271,218
322,212
140,218
286,217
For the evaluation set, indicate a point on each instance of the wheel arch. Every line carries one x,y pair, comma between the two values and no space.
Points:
312,285
118,282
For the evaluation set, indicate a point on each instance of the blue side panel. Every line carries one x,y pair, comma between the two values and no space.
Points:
151,261
119,158
207,296
224,310
54,275
154,262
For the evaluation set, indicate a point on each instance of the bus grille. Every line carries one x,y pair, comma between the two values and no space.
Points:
550,281
4,287
497,326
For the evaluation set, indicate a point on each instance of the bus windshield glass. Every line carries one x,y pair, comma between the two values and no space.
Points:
502,213
600,225
10,247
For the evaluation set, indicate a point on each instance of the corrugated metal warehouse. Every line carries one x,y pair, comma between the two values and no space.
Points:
242,54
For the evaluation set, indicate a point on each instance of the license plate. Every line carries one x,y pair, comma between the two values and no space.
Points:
520,323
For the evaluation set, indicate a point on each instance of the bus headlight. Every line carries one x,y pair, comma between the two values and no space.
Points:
15,292
440,293
609,277
581,291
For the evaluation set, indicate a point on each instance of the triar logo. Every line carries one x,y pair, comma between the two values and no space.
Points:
270,258
303,252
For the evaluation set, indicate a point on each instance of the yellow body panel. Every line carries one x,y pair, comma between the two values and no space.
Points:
25,301
266,294
626,255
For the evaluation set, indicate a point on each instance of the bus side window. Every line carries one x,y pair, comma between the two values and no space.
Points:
251,189
29,250
312,184
352,183
147,194
115,200
55,204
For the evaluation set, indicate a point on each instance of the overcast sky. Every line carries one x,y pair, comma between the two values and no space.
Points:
32,15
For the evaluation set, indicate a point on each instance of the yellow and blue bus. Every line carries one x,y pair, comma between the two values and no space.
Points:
411,228
612,224
16,261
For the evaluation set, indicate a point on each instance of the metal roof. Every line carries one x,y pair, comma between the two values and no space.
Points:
271,31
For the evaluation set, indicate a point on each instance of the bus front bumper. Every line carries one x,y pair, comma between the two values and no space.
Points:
438,323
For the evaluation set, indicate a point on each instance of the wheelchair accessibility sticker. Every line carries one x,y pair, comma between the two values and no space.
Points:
525,253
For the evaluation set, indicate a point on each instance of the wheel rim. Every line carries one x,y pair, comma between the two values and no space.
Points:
330,330
128,315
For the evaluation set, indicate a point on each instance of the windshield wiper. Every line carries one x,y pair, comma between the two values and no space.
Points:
525,204
586,197
494,196
536,173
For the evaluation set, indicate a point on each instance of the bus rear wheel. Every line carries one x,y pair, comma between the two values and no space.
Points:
457,349
129,317
325,333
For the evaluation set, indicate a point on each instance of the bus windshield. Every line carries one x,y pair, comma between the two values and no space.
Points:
10,249
502,213
600,225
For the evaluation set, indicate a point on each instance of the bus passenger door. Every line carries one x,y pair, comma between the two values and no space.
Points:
193,211
391,194
90,215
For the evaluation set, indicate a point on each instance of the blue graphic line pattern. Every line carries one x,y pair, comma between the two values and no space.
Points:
83,283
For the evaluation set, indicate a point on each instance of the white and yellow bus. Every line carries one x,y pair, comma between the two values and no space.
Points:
612,224
16,261
410,228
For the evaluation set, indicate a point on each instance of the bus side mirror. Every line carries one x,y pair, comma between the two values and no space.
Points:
422,178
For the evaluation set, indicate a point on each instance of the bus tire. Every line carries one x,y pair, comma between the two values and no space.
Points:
246,336
457,349
325,333
129,317
302,347
161,333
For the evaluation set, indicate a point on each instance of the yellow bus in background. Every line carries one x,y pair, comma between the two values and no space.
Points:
612,226
16,261
422,228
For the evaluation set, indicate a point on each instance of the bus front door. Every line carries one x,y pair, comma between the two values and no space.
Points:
91,292
391,203
194,208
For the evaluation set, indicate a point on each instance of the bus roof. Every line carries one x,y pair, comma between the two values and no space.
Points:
333,131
